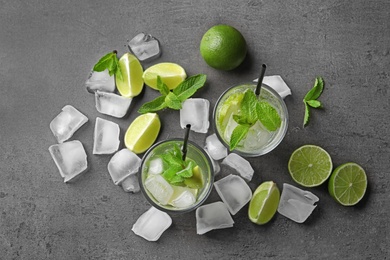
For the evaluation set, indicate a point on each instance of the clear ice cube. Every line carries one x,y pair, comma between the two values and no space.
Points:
231,125
144,46
152,224
112,104
277,83
100,81
160,189
184,199
296,204
70,158
66,123
106,137
215,148
212,216
234,192
131,184
123,164
195,111
257,136
155,166
242,166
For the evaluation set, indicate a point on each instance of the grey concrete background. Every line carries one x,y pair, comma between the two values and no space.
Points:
47,49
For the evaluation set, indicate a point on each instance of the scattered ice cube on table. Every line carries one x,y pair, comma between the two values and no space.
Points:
160,189
112,104
131,184
152,224
70,158
242,166
100,81
106,137
296,204
234,192
277,83
123,164
195,111
215,148
257,136
144,46
212,216
155,166
66,123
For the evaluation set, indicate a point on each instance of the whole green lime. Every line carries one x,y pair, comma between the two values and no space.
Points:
223,47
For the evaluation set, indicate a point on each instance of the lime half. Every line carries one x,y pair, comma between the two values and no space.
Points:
264,203
131,83
348,184
171,74
142,132
310,165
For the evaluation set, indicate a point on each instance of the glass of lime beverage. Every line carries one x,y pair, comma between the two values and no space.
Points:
172,184
264,127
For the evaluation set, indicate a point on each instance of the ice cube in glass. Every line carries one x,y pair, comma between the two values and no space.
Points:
106,137
195,111
70,158
144,46
66,123
112,104
241,165
212,216
152,224
156,166
100,81
123,164
215,148
160,189
257,135
234,192
296,204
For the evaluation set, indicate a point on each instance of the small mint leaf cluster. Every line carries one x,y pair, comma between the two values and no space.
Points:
310,99
110,62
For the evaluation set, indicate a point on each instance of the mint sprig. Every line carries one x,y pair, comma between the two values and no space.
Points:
110,62
310,99
252,110
173,98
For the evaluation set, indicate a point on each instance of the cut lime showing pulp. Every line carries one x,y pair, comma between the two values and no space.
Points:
171,74
310,165
348,184
264,203
142,132
196,181
131,83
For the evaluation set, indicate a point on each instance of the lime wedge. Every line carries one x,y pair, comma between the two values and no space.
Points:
310,165
171,74
231,106
264,203
131,83
196,181
348,184
142,132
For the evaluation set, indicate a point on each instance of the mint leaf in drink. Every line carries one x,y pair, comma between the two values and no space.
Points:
173,101
248,106
187,171
314,103
307,114
188,87
110,62
238,134
316,91
268,116
153,106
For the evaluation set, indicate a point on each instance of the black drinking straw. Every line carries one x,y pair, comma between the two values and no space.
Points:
184,149
258,87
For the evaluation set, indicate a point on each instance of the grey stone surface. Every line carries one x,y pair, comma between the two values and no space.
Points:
47,50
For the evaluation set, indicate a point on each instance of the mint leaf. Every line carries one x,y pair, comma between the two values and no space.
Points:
316,91
171,172
238,134
268,116
173,101
187,171
314,103
176,179
154,105
162,87
241,119
111,63
248,106
307,114
189,86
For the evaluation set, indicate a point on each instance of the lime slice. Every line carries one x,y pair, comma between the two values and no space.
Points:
131,83
310,165
231,106
142,132
348,184
171,74
264,203
196,181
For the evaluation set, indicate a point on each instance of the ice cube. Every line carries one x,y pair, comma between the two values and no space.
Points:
242,166
66,123
123,164
131,184
234,192
296,204
195,111
155,166
212,216
184,199
277,83
231,125
70,158
106,137
100,81
144,46
257,136
152,224
215,148
112,104
160,189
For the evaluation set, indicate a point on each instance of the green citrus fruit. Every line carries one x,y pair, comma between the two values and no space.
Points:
131,83
171,74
